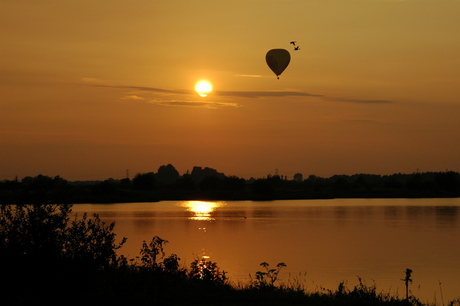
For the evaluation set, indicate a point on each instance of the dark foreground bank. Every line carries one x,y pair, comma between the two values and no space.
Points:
155,286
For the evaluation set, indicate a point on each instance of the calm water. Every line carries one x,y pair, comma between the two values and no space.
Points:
323,242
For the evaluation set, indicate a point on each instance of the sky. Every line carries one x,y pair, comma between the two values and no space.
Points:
90,89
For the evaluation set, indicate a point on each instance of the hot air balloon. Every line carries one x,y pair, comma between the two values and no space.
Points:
278,60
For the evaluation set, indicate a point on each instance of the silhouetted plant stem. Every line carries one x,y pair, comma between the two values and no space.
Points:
407,280
440,289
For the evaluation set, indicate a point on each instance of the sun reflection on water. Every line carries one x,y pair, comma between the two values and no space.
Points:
202,211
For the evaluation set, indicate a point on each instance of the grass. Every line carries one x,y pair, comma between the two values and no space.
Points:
141,285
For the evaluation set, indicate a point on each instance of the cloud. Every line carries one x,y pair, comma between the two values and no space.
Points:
246,94
90,80
196,104
225,93
258,94
149,89
132,97
363,101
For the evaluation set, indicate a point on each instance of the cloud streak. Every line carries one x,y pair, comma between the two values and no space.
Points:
132,97
148,89
259,94
195,104
228,93
243,94
363,101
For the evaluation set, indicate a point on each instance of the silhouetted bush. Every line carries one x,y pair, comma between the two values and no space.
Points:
41,253
144,181
208,271
43,233
91,242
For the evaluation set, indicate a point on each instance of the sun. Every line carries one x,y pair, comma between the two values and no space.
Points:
203,88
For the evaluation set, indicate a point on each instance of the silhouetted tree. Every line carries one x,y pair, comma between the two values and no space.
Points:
167,174
105,188
126,182
185,182
263,187
199,173
298,177
340,182
448,181
414,181
144,181
394,181
211,183
233,183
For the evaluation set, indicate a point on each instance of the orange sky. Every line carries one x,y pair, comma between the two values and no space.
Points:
89,89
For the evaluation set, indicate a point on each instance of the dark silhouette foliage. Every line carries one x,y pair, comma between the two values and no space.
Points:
167,174
41,253
43,234
144,181
267,279
91,242
208,271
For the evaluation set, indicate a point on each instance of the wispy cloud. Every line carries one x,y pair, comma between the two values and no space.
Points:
258,94
363,101
135,90
196,104
132,97
246,94
149,89
90,80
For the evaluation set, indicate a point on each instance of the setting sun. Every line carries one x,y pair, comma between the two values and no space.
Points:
203,88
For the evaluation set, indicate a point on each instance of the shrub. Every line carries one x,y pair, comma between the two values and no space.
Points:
267,278
208,271
39,235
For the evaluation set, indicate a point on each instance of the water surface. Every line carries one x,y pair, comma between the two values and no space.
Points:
323,242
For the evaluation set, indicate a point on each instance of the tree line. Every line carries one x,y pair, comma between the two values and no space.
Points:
209,184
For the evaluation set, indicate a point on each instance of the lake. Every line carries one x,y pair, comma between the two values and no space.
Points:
322,242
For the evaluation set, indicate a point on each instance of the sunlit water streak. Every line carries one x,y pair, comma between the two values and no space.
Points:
324,241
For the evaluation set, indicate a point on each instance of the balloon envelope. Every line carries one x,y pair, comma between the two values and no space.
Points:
278,60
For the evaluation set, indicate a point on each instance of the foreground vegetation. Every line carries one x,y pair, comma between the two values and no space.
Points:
208,184
47,257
